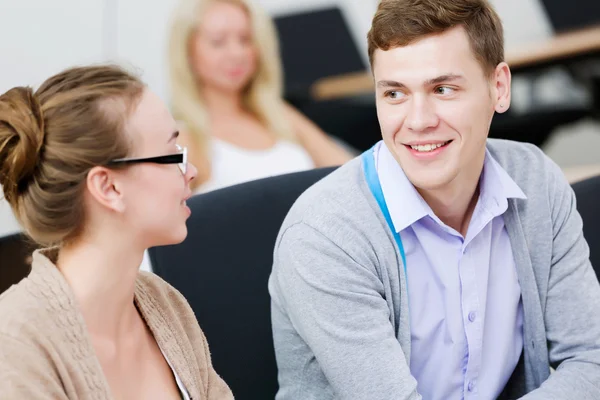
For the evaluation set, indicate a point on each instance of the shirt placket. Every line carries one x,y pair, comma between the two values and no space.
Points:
472,322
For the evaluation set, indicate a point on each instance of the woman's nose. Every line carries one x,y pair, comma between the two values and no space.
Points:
192,171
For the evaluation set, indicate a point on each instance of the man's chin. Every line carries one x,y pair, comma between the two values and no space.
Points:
429,180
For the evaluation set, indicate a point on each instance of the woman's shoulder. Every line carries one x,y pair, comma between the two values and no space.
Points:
171,319
150,285
32,313
18,307
30,342
159,298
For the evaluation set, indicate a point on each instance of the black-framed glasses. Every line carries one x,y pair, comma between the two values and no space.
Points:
179,158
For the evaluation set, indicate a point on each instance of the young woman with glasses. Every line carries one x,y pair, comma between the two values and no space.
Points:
92,170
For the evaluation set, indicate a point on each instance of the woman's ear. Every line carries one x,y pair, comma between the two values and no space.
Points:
105,187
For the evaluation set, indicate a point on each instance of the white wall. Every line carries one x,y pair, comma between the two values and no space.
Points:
40,37
523,20
8,223
142,39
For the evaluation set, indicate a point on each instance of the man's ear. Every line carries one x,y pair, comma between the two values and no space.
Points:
501,89
104,187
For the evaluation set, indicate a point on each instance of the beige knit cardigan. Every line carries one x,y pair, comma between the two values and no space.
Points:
46,351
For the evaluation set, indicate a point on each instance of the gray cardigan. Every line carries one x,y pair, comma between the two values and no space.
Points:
340,315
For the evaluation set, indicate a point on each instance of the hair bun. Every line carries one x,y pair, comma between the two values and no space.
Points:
21,139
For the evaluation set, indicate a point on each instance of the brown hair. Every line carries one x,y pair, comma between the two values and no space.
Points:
50,139
400,22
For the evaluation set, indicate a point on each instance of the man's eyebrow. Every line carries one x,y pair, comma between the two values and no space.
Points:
387,84
429,82
444,78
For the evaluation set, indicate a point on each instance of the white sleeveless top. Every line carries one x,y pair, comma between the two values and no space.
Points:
232,164
185,395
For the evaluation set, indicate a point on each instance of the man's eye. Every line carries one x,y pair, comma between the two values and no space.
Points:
394,94
444,90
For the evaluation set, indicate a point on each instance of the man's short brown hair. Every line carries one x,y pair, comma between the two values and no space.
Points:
400,22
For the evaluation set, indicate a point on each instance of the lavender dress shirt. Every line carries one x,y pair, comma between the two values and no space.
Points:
466,315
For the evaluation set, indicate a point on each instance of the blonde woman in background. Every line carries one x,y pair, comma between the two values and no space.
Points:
227,93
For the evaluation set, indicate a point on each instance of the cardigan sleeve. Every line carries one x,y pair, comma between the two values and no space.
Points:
25,373
571,316
335,303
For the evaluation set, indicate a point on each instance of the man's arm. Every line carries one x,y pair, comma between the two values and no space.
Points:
336,306
572,313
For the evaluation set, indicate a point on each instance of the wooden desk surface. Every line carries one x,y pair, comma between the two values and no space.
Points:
561,46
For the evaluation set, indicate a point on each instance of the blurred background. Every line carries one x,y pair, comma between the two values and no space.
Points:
553,47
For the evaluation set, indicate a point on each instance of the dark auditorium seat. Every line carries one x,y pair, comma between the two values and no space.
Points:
588,199
15,264
222,268
328,48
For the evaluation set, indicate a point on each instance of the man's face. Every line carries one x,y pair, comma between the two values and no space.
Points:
435,104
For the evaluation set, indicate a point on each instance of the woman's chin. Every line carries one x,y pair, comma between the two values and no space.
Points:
176,237
181,237
234,84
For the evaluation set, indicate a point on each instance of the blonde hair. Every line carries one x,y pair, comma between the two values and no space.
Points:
51,138
264,95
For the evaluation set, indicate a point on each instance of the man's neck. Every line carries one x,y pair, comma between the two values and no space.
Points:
455,203
454,209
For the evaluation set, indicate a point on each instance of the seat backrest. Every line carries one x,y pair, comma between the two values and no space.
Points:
222,268
588,197
316,44
15,259
572,15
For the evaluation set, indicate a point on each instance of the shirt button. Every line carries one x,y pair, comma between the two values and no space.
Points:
472,316
470,386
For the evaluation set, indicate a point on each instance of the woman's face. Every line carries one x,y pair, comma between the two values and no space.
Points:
222,54
155,194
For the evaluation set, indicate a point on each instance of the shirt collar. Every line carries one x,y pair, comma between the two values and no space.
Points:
406,206
507,187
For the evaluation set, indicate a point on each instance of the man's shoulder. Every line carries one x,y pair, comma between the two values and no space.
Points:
511,154
526,164
339,193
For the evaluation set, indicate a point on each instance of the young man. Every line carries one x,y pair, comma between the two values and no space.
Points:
440,264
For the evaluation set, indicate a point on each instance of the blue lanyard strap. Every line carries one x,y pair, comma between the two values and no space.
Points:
368,161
